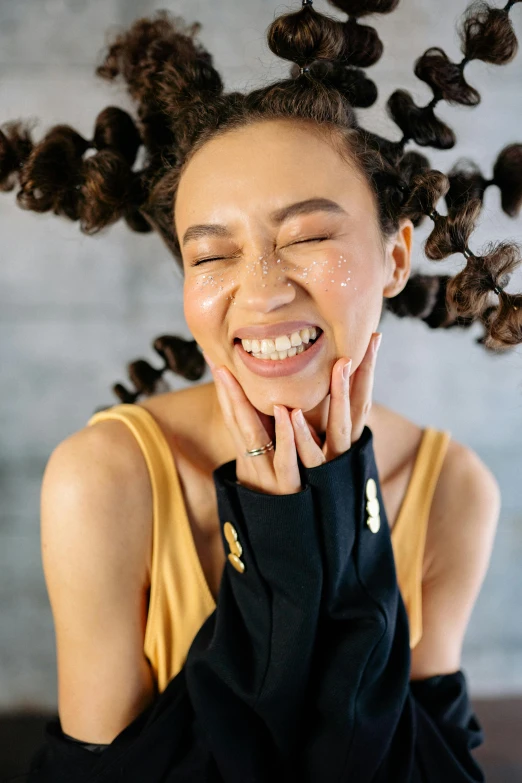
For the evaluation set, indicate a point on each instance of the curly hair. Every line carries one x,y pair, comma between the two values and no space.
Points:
181,104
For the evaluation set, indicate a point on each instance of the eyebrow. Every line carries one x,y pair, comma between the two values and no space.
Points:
276,217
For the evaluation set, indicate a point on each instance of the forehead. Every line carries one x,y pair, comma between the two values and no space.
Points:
263,166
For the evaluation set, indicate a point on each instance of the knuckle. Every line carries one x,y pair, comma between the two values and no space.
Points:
345,430
361,411
254,440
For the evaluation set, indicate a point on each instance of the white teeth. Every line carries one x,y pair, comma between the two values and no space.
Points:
268,346
282,343
277,355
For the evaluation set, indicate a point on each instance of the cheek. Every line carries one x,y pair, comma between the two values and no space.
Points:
203,305
344,282
347,290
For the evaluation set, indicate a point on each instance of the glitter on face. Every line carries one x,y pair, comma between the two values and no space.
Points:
315,270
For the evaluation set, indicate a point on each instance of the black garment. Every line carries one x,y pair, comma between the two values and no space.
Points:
301,674
94,747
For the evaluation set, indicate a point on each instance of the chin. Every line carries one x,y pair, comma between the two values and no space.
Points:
306,396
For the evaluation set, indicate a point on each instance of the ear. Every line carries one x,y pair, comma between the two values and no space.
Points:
398,258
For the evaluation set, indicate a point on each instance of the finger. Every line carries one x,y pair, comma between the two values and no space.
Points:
314,434
310,452
362,388
228,412
339,426
252,432
253,471
285,454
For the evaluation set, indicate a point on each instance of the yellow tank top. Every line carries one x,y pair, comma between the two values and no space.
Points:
180,598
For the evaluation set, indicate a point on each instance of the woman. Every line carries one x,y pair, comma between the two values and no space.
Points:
293,226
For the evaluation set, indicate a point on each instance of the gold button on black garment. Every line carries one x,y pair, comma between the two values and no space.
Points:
237,563
236,550
371,489
372,506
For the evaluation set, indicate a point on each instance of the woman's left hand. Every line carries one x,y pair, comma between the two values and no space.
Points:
350,402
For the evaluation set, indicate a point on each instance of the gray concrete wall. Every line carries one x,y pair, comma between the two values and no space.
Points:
74,309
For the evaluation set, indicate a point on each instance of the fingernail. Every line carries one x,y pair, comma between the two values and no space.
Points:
277,414
377,344
346,370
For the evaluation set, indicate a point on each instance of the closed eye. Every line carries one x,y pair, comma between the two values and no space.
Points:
222,258
313,239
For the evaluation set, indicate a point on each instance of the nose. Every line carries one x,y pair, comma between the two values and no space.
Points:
263,284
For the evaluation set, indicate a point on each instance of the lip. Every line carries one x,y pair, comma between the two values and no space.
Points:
277,368
270,330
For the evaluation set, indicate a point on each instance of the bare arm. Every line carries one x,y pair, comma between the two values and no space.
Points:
96,526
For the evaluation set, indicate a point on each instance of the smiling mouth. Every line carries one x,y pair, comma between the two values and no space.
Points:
276,355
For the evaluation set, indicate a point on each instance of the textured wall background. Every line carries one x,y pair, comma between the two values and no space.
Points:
74,310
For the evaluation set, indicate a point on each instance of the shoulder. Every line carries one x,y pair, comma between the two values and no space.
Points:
96,489
464,512
464,508
462,525
465,505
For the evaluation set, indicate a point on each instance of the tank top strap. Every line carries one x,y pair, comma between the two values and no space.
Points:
180,598
410,530
152,442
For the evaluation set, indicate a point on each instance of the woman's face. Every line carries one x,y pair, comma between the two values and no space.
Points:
238,200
